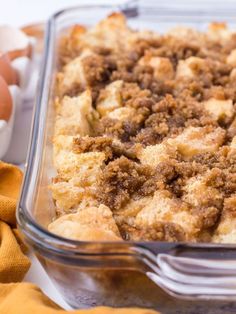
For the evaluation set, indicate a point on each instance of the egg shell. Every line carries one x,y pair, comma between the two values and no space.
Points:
36,31
22,66
5,100
14,42
7,71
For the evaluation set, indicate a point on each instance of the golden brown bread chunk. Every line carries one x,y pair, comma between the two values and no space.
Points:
162,67
70,197
108,34
195,141
153,155
166,209
90,224
219,109
190,68
226,230
73,74
82,168
200,193
219,32
233,143
74,115
66,195
110,98
231,58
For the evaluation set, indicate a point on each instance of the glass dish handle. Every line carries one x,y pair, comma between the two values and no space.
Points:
186,277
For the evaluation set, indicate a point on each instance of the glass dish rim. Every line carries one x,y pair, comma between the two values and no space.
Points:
28,225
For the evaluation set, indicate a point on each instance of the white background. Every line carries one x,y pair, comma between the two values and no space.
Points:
21,12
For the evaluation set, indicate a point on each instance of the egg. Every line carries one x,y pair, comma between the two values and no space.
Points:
5,101
14,42
7,71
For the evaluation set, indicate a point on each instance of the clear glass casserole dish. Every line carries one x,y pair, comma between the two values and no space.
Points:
120,273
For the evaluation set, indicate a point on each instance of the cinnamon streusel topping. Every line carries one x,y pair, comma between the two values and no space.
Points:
145,134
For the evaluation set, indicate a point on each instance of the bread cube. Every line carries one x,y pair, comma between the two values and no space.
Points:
163,68
76,34
198,140
73,73
231,59
112,24
62,142
154,154
219,109
232,75
165,208
232,148
83,168
90,224
122,114
190,68
108,33
109,30
233,143
226,230
127,213
74,115
110,99
219,32
70,197
198,193
66,195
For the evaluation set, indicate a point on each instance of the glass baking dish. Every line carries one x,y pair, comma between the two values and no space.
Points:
144,274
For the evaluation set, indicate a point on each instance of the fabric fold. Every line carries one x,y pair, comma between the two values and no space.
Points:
13,263
26,298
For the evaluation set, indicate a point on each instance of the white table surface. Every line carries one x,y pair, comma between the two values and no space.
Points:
18,13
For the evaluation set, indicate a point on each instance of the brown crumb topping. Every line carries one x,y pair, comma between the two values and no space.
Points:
93,144
122,179
159,231
163,129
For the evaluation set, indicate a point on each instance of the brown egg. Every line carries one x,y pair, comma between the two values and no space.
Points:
5,100
14,42
6,70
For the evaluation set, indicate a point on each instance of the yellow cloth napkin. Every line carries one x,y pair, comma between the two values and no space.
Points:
13,263
26,298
